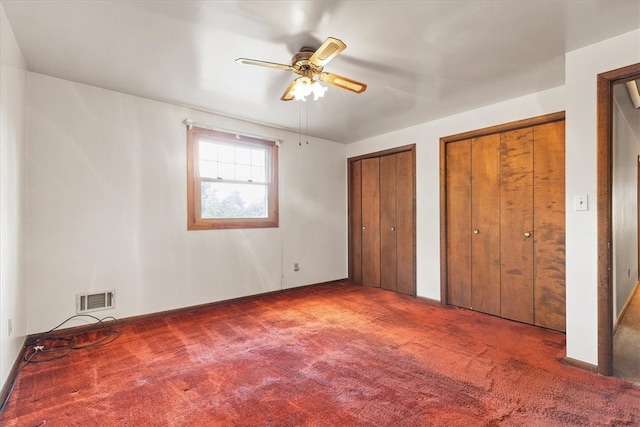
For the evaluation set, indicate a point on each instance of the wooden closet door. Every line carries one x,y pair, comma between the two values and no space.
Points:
355,221
458,217
405,223
371,222
516,231
485,220
549,225
388,215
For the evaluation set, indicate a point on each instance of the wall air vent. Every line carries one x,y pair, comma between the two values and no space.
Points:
86,303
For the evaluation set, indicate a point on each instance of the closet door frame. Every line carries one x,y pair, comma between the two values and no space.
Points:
350,162
534,121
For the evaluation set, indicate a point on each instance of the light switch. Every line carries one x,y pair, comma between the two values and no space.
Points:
581,202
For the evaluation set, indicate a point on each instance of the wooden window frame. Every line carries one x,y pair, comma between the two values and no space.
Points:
194,216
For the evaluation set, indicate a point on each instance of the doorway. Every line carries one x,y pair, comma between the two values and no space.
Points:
606,263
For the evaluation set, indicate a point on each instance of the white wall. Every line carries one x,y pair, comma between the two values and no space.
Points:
13,87
582,67
578,99
626,147
107,209
427,137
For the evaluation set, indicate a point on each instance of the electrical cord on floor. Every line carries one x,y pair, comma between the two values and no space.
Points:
59,346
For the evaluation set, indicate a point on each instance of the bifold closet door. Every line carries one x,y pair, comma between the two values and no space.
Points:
405,224
458,217
485,224
505,224
355,218
382,221
397,266
549,224
388,220
517,228
473,223
370,221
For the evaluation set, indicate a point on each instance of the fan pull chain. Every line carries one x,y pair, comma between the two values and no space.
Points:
306,124
300,125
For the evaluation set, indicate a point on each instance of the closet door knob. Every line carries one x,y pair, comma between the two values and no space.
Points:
393,229
364,228
527,234
476,231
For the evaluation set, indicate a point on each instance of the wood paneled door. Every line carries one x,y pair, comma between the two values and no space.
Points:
549,226
516,225
503,221
382,220
485,236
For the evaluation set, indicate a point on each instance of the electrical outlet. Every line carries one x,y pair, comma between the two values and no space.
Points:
296,267
10,325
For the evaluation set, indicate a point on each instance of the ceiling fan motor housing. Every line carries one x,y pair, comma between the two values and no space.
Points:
301,64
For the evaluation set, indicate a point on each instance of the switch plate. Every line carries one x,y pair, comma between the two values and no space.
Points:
581,202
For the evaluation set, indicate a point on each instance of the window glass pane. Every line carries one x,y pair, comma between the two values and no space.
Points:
232,180
243,156
224,200
226,153
243,173
226,171
234,162
258,174
208,150
258,157
208,169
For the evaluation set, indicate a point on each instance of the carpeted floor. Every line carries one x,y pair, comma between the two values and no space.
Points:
327,355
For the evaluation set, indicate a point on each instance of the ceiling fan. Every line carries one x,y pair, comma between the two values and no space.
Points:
309,64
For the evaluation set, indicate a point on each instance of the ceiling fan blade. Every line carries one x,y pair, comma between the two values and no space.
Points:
342,82
248,61
329,50
288,95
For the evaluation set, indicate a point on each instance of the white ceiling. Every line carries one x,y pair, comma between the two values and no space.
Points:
422,60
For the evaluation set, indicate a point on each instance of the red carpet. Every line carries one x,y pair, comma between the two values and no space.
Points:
327,355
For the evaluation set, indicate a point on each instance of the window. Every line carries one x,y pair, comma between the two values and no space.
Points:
232,180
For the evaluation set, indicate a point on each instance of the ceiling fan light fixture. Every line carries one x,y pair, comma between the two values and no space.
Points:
318,90
309,64
305,86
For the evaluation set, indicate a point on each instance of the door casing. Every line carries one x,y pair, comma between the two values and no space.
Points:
605,83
